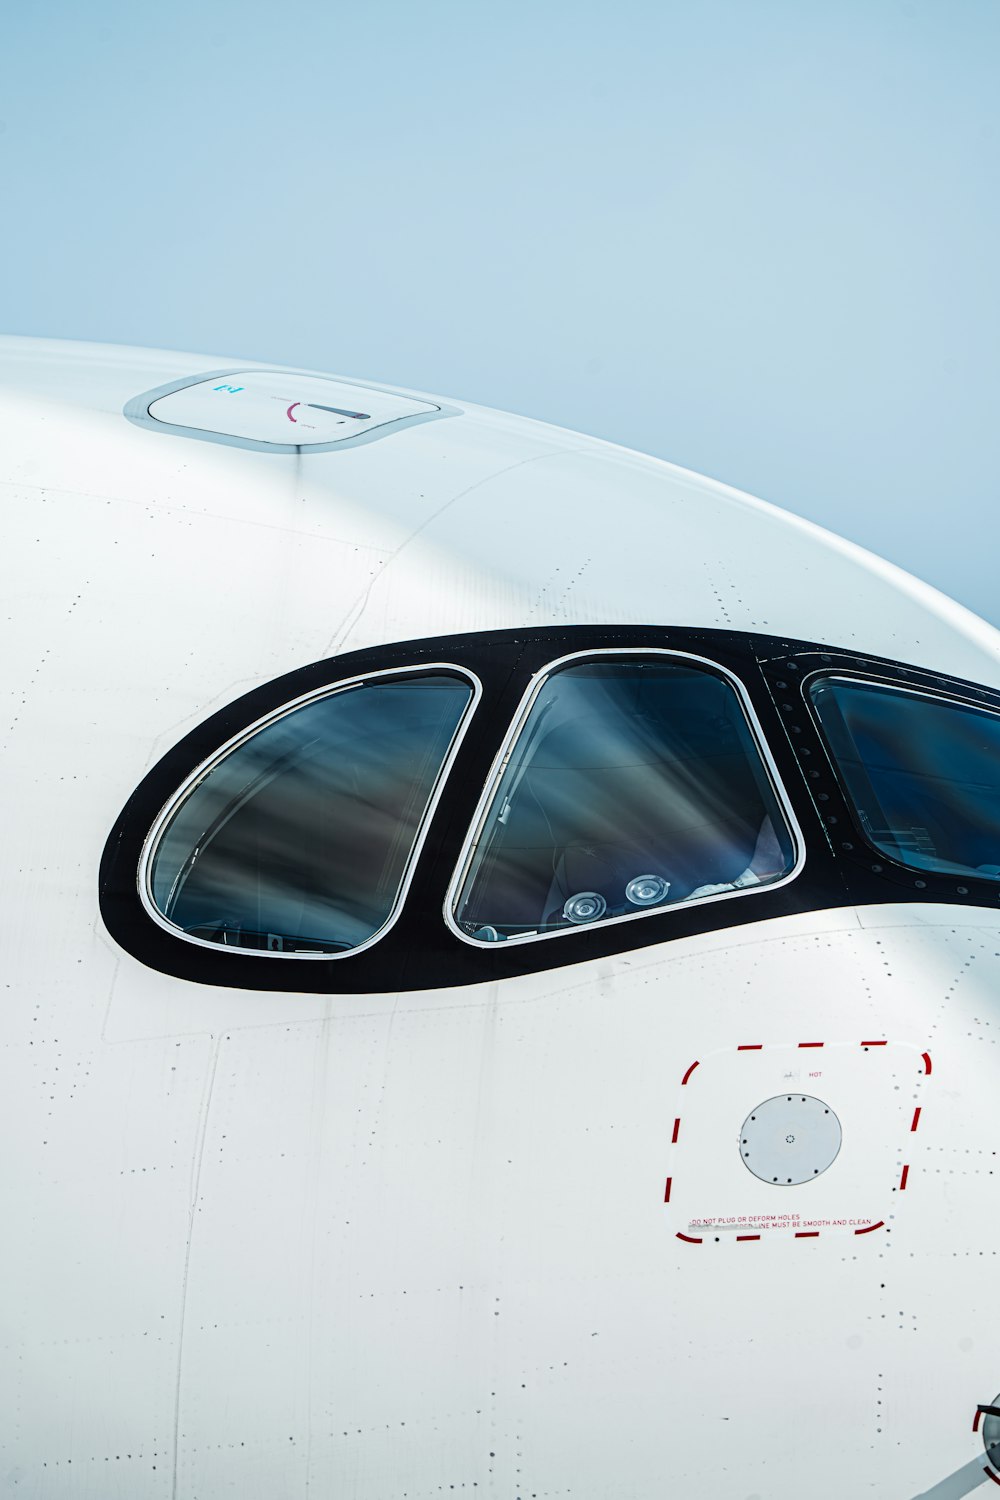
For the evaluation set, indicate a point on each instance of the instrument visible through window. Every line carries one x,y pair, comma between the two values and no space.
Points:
634,783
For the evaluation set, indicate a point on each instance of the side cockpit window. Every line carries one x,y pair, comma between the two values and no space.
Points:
300,837
922,773
630,783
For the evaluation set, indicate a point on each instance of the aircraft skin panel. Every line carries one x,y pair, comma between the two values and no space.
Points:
406,1221
483,1236
387,495
101,1146
331,594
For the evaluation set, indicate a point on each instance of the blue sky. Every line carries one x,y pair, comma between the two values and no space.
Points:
758,237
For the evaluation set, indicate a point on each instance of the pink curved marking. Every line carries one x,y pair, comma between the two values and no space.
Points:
288,413
984,1411
690,1070
927,1063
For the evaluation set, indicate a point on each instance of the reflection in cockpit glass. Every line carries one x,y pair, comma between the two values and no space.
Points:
634,784
923,773
299,839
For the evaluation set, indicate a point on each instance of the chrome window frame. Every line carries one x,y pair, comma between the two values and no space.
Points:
507,748
871,679
207,766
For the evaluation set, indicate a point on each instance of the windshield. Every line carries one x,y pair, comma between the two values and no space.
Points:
633,784
922,773
299,839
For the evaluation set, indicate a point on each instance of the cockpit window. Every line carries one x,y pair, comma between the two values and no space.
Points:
300,838
631,783
923,773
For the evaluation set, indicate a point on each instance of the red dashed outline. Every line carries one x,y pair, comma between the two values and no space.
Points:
984,1411
809,1234
991,1474
759,1047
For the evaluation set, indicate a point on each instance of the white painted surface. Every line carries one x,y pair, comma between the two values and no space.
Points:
269,407
380,1246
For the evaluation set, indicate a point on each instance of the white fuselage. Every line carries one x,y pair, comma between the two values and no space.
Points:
416,1243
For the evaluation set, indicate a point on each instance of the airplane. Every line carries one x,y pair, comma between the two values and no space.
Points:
501,957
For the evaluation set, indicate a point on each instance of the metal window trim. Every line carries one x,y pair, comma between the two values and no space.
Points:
506,750
207,766
850,676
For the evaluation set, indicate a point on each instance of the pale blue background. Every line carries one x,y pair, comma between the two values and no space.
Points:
758,237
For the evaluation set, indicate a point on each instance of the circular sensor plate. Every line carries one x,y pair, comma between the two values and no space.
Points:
790,1139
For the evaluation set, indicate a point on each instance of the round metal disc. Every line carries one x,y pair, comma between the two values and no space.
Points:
790,1139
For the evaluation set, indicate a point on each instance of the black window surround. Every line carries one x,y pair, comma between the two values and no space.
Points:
419,951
